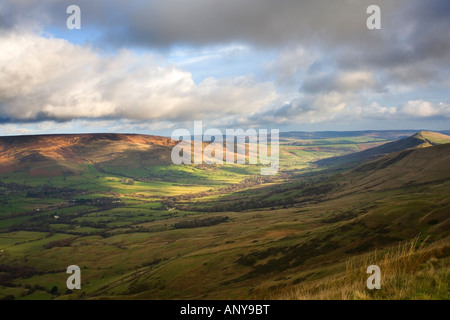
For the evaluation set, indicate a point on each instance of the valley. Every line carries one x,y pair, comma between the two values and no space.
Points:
140,227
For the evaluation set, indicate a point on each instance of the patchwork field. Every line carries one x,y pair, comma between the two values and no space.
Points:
140,227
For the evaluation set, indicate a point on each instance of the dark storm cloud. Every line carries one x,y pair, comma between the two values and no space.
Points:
260,22
415,46
341,82
412,30
204,22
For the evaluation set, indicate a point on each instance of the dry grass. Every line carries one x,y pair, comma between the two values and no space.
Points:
408,271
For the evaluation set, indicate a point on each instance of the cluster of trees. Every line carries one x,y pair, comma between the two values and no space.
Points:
197,223
9,272
59,243
98,202
44,191
47,191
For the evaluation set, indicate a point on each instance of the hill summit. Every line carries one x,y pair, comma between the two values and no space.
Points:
432,138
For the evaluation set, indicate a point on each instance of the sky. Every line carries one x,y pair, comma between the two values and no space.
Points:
153,66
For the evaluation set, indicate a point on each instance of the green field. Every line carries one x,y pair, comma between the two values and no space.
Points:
224,232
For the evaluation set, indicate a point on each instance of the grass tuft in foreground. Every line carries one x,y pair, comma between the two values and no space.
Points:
408,271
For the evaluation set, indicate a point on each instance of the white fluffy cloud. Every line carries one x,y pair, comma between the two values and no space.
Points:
53,79
423,109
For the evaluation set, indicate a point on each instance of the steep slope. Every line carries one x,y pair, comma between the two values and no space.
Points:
421,139
402,169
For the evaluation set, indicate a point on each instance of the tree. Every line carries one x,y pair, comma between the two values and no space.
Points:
54,290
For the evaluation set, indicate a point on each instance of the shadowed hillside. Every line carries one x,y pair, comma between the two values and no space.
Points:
382,134
421,139
412,166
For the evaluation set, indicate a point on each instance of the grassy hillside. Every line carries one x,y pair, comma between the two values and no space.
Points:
63,155
434,138
409,271
164,231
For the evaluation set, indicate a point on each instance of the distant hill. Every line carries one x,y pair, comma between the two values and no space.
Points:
421,139
72,154
44,155
382,134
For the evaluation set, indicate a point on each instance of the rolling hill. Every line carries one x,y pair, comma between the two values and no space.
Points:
421,139
56,155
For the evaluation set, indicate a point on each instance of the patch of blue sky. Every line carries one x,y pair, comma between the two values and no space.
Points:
227,61
76,36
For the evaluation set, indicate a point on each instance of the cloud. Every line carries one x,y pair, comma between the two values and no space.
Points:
341,81
312,108
290,63
243,62
12,129
52,79
414,48
424,109
413,31
349,107
200,22
376,111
